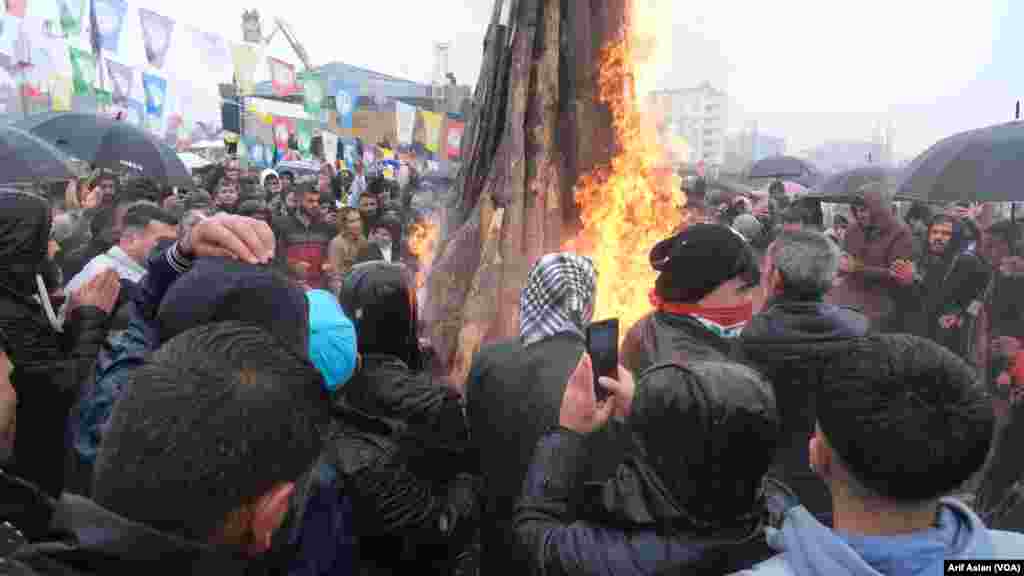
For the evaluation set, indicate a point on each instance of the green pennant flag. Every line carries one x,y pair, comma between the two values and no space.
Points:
304,136
72,13
313,92
104,98
83,69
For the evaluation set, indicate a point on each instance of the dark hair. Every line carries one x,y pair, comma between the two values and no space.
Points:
919,211
906,416
795,215
380,298
213,179
217,417
141,214
1006,230
943,218
103,219
390,224
140,188
776,188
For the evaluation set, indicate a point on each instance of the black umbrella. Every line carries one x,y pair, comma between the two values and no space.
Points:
983,165
24,157
843,186
786,168
108,143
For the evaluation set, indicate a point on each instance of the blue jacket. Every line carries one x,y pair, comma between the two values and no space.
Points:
121,353
811,549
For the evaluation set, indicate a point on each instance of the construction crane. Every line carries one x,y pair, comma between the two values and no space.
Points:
252,31
289,35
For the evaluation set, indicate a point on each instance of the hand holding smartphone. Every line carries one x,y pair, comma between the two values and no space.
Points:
603,347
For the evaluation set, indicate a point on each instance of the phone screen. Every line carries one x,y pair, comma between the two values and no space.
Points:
603,347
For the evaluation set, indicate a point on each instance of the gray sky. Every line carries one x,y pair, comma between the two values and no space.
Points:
808,70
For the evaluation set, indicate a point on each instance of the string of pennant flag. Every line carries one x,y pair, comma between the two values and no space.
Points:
113,57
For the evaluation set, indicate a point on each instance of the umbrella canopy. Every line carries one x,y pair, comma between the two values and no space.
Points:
24,157
849,182
983,165
108,143
786,168
193,161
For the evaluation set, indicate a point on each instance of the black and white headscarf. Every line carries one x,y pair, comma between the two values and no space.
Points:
558,297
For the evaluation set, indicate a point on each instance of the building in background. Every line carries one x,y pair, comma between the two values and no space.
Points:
698,115
750,145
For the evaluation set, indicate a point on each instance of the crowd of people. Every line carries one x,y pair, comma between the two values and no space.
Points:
234,381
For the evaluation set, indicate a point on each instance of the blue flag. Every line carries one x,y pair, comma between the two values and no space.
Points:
346,96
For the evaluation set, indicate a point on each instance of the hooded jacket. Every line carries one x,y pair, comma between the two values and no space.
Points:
698,506
811,549
876,247
791,342
49,367
398,441
949,284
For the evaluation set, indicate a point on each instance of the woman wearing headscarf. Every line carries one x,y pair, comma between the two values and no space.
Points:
515,387
691,499
398,441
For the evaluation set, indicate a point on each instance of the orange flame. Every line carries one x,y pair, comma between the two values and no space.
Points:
422,242
631,203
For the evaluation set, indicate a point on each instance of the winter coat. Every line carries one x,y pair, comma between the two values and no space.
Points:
662,337
948,285
513,396
342,253
119,355
876,247
657,515
398,449
89,540
792,343
49,366
807,548
303,241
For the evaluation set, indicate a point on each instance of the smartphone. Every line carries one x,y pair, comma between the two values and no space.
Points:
603,347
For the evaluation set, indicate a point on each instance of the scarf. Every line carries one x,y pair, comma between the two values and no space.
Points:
726,322
558,297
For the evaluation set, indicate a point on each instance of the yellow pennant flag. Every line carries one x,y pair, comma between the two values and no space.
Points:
60,94
432,128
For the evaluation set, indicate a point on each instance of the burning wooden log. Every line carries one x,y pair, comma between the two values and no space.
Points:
538,125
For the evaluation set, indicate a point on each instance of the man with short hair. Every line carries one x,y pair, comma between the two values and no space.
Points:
901,422
303,238
144,225
193,509
792,341
369,208
107,184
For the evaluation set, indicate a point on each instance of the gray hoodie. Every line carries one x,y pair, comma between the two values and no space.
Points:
810,549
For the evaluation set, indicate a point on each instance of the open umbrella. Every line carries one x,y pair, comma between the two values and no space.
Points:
108,143
983,165
786,168
24,157
193,161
